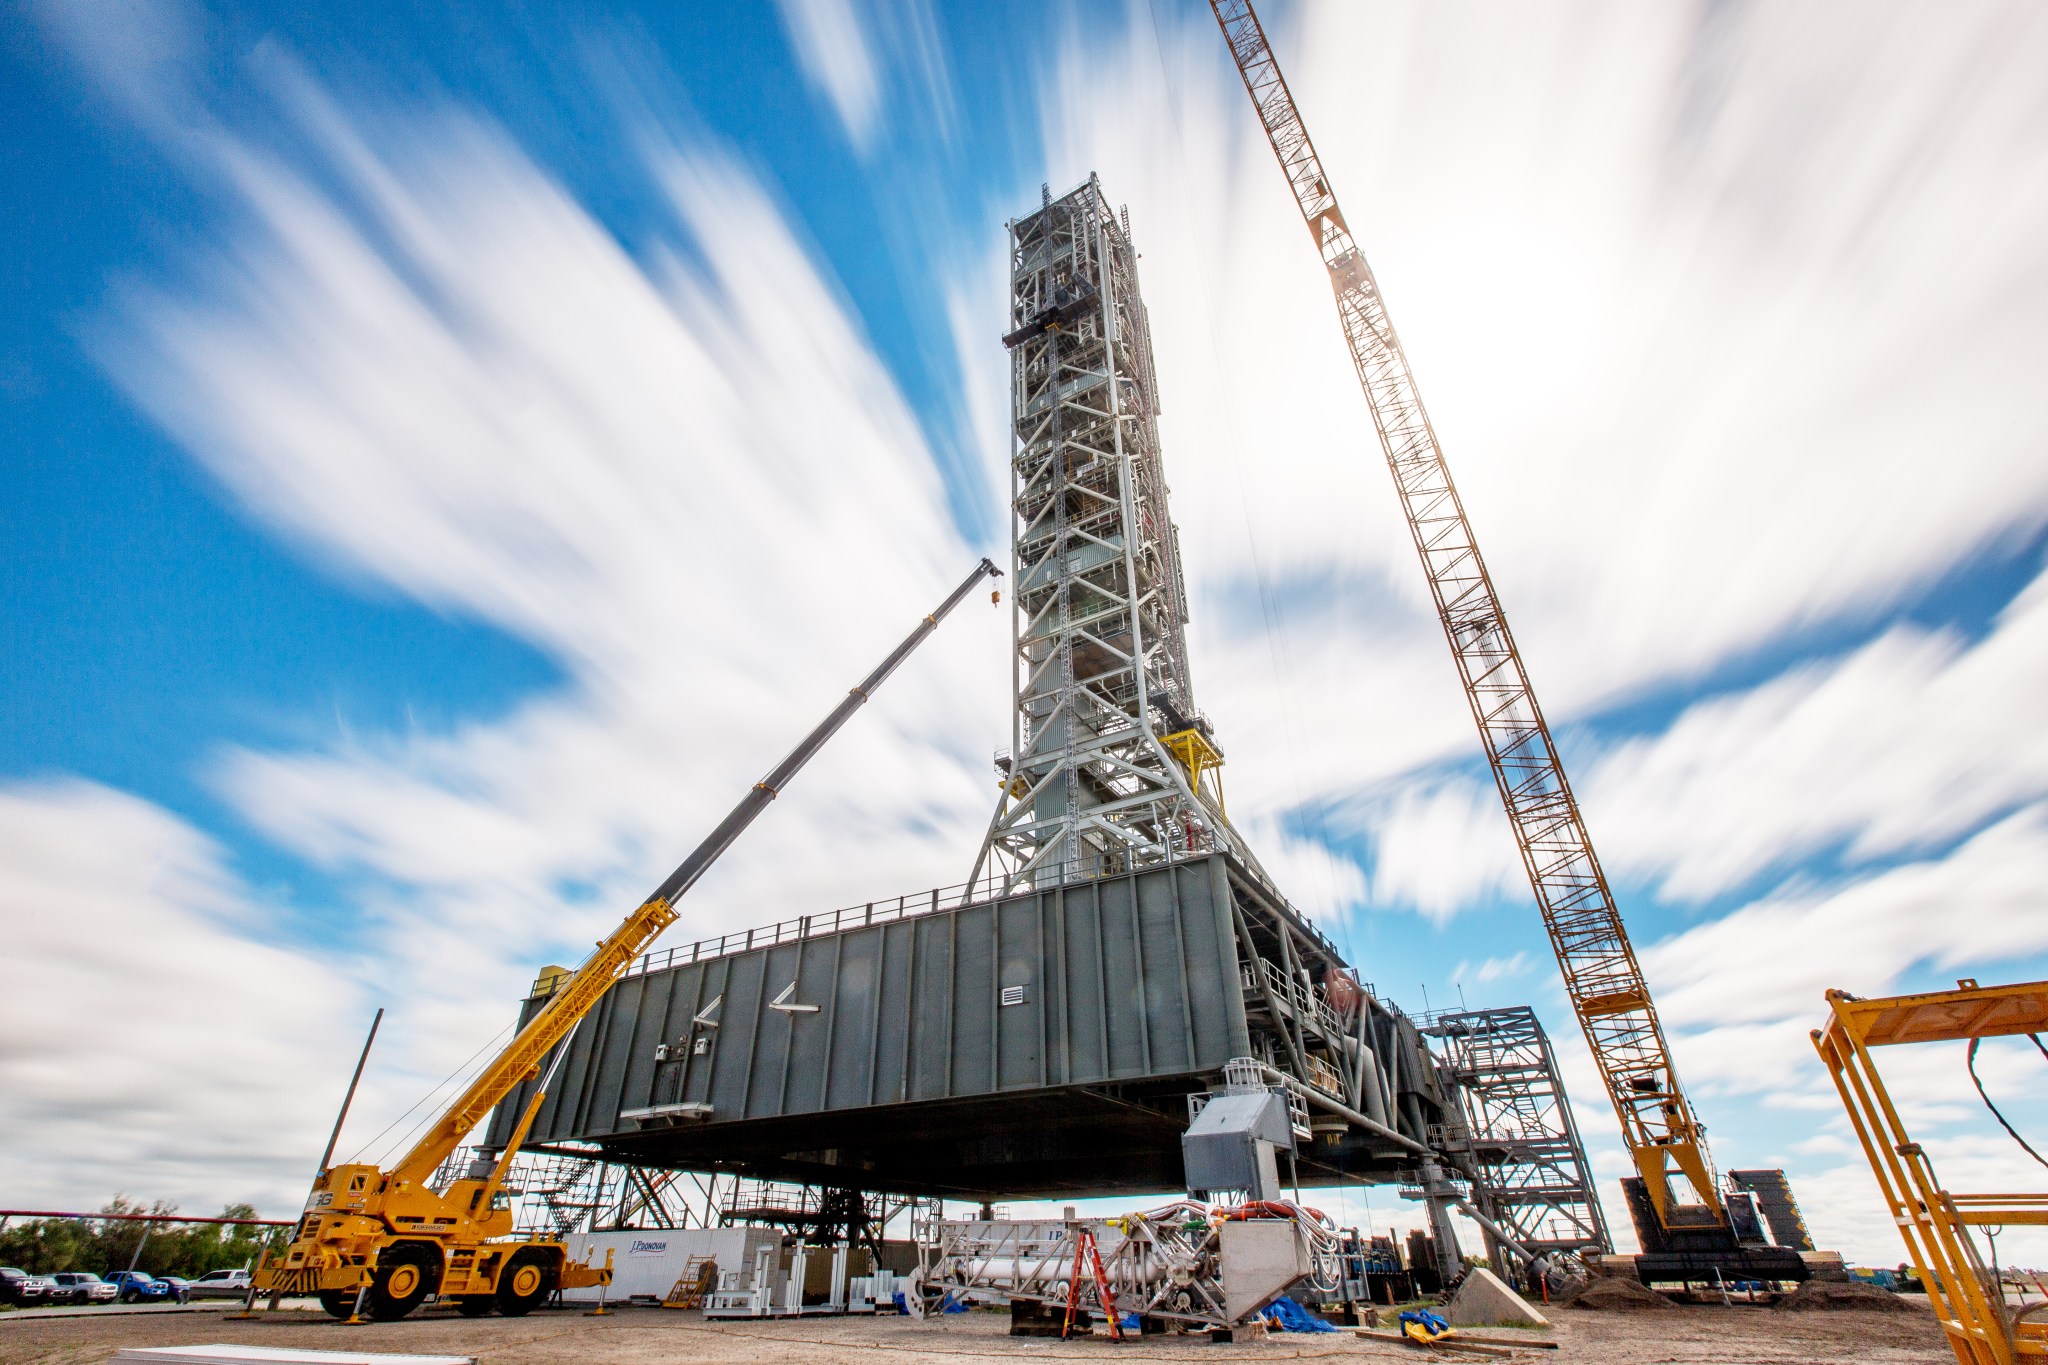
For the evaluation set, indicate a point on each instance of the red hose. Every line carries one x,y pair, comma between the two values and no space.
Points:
1271,1208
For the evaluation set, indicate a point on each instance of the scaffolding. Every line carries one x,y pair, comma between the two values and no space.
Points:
558,1191
823,1215
1517,1139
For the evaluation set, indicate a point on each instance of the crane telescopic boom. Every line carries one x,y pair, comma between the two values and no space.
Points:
521,1059
1601,975
383,1240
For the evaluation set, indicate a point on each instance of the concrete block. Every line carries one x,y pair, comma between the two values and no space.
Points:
1483,1299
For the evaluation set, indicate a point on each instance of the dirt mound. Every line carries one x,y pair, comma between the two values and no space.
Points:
1839,1296
1614,1293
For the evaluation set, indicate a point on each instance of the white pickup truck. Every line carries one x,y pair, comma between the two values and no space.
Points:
220,1284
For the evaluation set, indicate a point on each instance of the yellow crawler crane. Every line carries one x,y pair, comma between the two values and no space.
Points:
379,1241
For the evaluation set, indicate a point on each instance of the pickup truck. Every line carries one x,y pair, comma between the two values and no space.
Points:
134,1286
20,1288
220,1284
81,1286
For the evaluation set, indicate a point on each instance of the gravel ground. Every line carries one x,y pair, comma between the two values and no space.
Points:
645,1336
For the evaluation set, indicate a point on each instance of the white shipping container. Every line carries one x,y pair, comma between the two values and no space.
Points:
647,1263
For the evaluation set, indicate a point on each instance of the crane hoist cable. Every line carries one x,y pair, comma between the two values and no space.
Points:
383,1238
468,1067
1985,1096
1602,978
1313,809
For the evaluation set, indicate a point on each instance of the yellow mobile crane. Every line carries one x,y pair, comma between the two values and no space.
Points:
382,1240
1601,975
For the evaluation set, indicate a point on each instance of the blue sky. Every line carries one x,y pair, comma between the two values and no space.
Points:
451,449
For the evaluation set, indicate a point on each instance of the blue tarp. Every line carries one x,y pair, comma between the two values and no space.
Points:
1431,1324
1289,1316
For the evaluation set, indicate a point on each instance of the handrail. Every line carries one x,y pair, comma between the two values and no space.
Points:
809,926
913,905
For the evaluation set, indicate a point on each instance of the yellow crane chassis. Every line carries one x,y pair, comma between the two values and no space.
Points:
420,1243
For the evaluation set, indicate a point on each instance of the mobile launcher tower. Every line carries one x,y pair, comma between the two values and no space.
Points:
1050,1028
1112,767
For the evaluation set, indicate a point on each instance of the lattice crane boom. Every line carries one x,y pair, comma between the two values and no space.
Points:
1601,974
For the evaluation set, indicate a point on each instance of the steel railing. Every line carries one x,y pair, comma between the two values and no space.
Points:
908,906
918,904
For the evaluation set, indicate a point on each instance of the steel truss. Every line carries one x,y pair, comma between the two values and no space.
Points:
559,1191
1601,975
821,1215
1111,765
1518,1141
1165,1263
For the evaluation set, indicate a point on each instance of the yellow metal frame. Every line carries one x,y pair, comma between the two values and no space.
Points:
1196,754
1934,1221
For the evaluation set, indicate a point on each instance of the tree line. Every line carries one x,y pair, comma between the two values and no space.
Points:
44,1246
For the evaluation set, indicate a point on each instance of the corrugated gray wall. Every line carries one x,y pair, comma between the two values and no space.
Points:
1122,978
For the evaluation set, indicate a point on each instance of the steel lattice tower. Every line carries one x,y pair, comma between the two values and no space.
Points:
1518,1140
1111,765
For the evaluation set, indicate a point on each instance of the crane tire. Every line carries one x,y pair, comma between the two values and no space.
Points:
404,1278
525,1283
338,1302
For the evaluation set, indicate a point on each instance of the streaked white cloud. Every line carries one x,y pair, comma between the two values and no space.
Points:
1498,968
683,475
1912,740
138,53
1320,882
1774,959
858,54
1727,330
832,45
1436,847
157,1032
1903,744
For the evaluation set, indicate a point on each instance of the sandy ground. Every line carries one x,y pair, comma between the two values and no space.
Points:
645,1336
